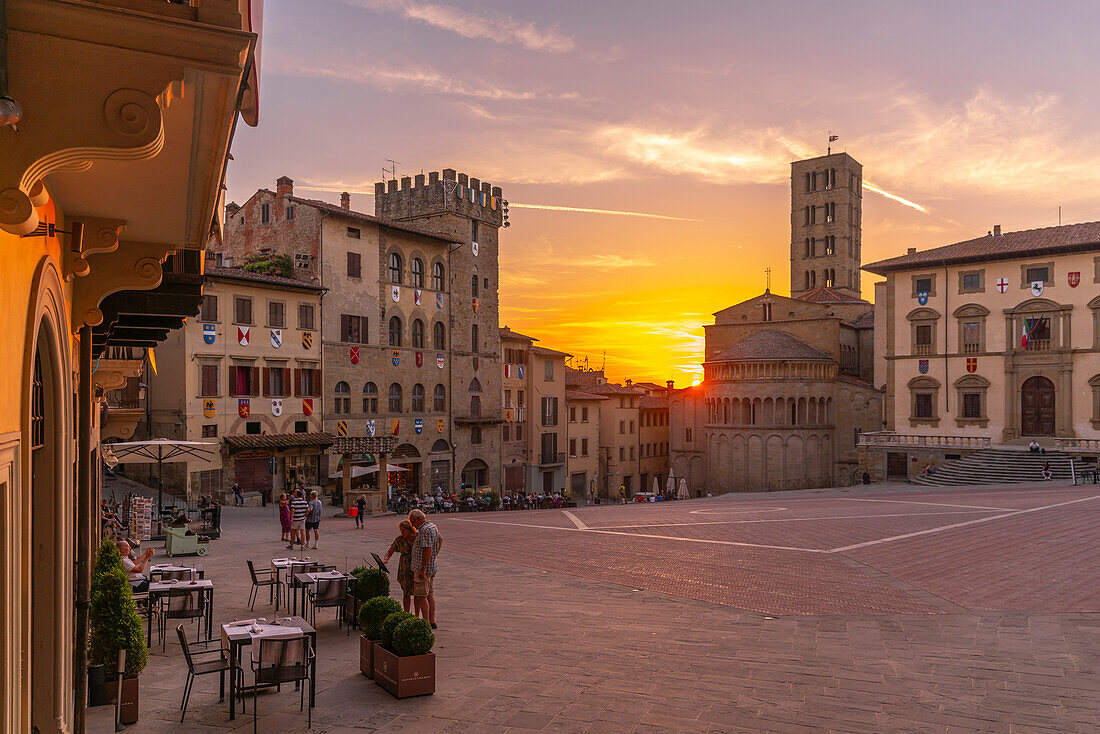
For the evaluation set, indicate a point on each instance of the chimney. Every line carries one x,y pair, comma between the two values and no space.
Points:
996,230
629,382
670,385
231,208
345,200
911,251
284,186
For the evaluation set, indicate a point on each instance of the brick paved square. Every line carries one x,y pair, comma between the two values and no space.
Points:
864,610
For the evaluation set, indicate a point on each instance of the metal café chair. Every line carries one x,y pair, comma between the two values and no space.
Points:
147,608
281,661
327,593
266,578
184,574
179,603
301,567
202,666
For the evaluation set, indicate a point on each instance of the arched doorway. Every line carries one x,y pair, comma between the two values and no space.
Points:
1037,407
475,474
407,457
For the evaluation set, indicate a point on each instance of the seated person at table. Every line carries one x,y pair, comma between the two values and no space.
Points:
135,568
403,545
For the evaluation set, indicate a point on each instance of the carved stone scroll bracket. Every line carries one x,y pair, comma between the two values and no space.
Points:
111,374
133,266
100,236
129,126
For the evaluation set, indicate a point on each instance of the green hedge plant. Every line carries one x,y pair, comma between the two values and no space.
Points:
370,583
374,612
390,625
115,624
413,637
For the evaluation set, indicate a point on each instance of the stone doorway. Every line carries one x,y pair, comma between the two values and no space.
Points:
1037,407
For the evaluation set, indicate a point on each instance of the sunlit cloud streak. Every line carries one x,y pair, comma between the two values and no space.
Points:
868,186
582,210
495,28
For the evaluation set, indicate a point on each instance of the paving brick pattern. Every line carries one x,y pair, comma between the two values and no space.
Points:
993,627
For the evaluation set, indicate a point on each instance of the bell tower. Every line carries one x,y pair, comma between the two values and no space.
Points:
826,216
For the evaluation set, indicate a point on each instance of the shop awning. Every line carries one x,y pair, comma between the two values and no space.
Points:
279,440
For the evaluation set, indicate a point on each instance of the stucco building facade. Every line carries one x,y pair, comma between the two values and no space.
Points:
990,340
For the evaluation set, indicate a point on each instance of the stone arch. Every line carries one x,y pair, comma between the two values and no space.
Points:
970,310
923,314
769,412
803,411
724,474
813,454
757,412
755,450
775,459
796,460
737,460
697,474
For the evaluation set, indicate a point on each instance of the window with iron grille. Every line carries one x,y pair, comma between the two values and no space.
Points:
210,430
972,405
922,405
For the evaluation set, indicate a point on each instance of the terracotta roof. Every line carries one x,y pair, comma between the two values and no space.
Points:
215,271
1010,245
652,385
824,294
865,321
770,344
578,395
507,333
545,352
611,389
648,402
360,216
279,440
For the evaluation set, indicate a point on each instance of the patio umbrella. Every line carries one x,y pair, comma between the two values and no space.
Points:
682,493
159,450
656,485
670,485
362,471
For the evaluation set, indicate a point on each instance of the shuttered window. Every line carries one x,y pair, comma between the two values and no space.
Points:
209,380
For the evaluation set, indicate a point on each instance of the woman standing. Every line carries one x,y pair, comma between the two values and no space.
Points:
284,516
403,544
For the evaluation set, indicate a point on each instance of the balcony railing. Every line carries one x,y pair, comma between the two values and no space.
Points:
1038,345
1076,444
888,439
548,457
972,348
922,350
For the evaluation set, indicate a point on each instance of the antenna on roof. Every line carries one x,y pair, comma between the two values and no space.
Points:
604,364
1059,215
832,139
768,275
392,171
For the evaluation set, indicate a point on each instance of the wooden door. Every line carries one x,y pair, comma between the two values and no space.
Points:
1037,407
897,466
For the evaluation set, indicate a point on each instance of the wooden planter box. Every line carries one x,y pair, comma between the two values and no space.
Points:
403,677
128,710
366,656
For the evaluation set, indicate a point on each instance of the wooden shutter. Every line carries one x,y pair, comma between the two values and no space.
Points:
298,382
344,327
363,333
255,381
231,373
267,382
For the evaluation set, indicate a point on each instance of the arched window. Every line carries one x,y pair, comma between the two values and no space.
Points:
473,285
370,398
437,276
395,267
418,398
418,272
475,385
342,401
395,331
813,279
395,398
439,335
439,399
418,334
474,341
475,406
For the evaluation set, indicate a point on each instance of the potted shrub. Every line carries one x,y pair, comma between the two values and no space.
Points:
404,663
368,582
115,626
371,616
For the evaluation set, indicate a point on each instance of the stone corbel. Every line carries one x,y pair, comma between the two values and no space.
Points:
128,125
100,236
111,374
133,266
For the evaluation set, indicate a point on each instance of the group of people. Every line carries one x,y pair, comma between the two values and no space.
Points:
418,542
298,517
541,501
440,501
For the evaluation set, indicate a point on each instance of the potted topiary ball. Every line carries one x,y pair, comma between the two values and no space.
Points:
371,616
367,583
404,663
115,626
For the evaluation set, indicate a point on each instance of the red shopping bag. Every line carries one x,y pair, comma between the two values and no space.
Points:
353,512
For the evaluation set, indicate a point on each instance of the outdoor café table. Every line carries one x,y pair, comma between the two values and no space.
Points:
236,635
160,587
284,567
162,568
306,580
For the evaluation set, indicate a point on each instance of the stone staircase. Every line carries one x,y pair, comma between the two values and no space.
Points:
999,466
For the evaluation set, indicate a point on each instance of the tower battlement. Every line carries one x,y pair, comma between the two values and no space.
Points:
438,193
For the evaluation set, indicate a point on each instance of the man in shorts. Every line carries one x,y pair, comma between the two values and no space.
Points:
424,554
313,519
299,508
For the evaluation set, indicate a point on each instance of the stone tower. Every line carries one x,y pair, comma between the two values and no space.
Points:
469,212
826,206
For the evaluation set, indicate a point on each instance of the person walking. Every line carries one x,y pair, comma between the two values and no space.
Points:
238,495
299,508
425,553
284,516
313,519
360,509
403,544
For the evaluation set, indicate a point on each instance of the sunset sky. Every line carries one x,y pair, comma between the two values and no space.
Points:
964,115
